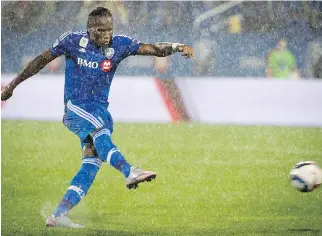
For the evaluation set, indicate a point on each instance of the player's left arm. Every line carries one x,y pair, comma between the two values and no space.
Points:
165,49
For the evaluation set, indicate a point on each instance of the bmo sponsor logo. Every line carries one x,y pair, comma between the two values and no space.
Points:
89,64
105,65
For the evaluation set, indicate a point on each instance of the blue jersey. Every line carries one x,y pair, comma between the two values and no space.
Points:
90,69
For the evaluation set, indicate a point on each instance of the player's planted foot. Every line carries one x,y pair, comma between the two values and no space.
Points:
138,176
61,221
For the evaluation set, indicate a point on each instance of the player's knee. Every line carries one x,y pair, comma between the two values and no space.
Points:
89,150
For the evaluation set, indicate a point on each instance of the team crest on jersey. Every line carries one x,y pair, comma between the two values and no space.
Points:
109,52
83,42
106,65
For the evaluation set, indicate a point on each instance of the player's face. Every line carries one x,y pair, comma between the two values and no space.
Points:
100,30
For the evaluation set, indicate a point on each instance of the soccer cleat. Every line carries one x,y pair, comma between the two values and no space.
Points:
137,176
61,221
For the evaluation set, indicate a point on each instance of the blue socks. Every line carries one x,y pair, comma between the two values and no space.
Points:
79,185
118,161
108,152
63,207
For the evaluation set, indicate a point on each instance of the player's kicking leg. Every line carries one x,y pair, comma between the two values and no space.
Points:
108,152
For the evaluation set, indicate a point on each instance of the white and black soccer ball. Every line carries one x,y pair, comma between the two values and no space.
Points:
306,176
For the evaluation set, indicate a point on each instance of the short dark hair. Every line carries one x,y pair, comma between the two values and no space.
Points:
100,11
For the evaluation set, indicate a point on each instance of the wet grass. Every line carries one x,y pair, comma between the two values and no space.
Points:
212,180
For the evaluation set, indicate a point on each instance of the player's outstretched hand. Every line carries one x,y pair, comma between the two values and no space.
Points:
6,93
187,51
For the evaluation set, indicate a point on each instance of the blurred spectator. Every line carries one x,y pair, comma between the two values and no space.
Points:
281,62
315,16
161,19
25,16
255,16
234,24
161,64
205,53
138,15
29,26
162,67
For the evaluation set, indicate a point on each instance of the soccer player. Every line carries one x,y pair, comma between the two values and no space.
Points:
92,57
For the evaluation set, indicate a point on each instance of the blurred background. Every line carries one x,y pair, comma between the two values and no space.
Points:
256,62
222,131
231,39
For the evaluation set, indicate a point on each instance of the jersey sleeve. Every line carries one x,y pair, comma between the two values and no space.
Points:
131,46
61,45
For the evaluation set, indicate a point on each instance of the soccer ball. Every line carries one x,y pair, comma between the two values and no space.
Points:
306,176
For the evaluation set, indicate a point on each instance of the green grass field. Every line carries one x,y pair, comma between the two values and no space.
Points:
212,180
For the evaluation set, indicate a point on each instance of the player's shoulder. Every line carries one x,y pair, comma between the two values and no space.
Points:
73,35
122,39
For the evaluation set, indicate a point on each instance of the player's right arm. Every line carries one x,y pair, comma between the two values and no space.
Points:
32,68
59,47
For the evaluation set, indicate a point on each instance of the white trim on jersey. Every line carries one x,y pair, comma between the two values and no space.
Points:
101,132
80,32
84,114
64,35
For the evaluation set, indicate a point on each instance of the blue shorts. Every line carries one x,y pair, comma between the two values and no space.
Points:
83,119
